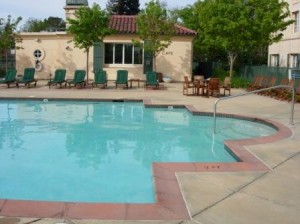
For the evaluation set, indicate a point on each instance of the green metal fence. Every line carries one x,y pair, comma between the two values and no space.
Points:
249,72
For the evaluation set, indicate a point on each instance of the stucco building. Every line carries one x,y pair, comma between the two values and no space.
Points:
53,50
286,53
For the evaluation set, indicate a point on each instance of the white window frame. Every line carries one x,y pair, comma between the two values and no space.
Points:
293,60
274,60
123,55
296,23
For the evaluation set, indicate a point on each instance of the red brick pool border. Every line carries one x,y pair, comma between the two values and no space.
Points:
169,203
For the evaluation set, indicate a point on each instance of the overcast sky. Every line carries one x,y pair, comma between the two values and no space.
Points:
41,9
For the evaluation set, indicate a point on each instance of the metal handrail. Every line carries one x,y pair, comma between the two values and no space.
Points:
256,91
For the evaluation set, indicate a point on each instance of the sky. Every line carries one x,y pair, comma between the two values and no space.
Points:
41,9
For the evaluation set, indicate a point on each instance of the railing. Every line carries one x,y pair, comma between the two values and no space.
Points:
257,91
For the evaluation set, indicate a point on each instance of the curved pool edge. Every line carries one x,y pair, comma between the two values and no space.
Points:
169,203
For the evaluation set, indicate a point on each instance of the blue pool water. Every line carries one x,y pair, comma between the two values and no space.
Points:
102,151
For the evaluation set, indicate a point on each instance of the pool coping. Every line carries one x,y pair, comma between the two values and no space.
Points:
169,203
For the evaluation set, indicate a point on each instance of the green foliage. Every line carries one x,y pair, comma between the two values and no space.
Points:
155,28
8,36
189,17
55,24
123,7
51,24
90,25
33,25
111,6
239,82
220,73
236,80
236,26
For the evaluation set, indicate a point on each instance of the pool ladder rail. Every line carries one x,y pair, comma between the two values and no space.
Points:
257,91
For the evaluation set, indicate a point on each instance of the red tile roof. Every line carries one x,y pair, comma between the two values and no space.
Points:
124,24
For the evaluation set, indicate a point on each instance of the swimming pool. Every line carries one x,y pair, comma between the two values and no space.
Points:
103,151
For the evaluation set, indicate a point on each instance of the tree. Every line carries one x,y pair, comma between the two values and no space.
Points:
90,25
123,7
54,24
8,36
155,29
51,24
33,25
133,7
189,17
241,26
111,6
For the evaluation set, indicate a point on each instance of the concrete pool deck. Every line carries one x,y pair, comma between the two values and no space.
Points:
213,197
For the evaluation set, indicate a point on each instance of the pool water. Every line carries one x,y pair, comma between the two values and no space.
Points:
102,151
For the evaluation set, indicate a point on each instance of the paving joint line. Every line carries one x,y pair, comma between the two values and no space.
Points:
284,161
241,188
231,194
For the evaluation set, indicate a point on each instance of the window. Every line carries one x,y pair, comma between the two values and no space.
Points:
118,54
37,54
123,54
109,51
274,60
293,60
296,23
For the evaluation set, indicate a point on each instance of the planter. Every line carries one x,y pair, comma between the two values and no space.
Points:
167,79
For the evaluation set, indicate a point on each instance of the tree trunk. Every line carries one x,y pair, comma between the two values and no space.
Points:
87,65
154,63
232,57
6,61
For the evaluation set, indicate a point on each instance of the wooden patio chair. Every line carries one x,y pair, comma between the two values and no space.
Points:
256,80
187,84
213,87
227,85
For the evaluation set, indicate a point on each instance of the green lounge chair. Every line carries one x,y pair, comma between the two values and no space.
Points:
151,79
79,76
100,78
9,78
27,78
59,77
122,78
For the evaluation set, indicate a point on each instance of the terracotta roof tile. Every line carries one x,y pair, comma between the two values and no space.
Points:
125,24
181,30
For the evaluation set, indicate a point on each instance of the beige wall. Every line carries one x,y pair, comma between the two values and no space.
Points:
176,61
290,43
57,55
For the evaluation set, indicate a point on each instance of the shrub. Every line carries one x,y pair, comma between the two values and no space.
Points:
239,82
236,81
